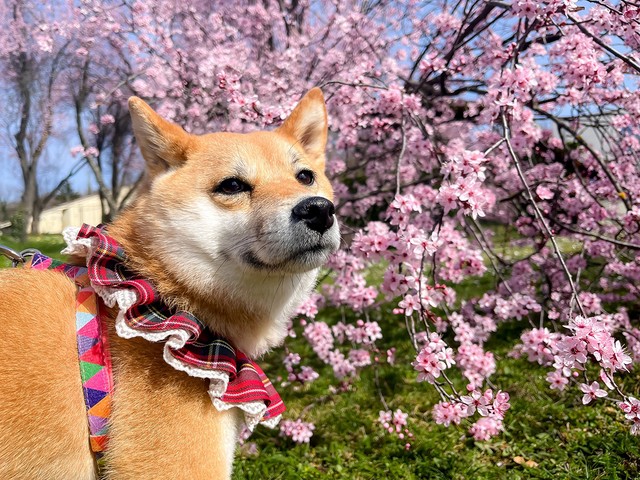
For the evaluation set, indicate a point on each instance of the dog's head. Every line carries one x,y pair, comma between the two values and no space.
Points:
247,214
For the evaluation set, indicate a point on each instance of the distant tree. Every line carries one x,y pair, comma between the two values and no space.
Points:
103,125
66,193
33,54
4,211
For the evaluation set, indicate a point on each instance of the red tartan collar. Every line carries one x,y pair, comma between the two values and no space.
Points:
234,379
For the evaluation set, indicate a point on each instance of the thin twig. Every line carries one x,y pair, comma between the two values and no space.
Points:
377,381
603,45
399,160
493,147
488,252
541,219
620,243
349,84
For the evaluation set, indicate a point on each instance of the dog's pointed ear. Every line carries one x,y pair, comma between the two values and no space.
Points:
308,125
163,144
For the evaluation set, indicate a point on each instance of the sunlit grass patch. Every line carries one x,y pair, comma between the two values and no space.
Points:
49,245
548,435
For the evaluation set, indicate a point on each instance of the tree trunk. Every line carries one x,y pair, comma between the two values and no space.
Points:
29,197
35,216
107,212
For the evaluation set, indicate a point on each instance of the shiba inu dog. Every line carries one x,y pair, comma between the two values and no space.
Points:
231,227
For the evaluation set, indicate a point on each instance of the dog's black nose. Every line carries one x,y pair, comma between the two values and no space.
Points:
316,212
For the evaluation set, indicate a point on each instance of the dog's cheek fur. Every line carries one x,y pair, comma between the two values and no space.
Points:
253,308
42,412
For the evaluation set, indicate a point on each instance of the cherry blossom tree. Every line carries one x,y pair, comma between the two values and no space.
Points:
32,59
450,122
98,86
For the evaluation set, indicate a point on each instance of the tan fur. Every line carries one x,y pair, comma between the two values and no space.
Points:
43,422
211,159
166,414
163,424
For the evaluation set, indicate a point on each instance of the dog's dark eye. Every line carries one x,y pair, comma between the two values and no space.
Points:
305,177
231,186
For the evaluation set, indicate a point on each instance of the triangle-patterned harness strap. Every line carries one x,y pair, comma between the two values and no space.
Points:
234,379
93,351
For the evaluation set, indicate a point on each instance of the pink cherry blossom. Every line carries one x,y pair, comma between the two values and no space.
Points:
297,430
557,380
591,392
447,413
486,427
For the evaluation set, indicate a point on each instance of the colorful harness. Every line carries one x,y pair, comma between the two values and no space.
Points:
93,351
234,379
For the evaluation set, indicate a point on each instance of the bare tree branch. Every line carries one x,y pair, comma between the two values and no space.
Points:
541,219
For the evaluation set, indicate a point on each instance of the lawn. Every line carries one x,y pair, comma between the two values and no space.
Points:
549,435
47,244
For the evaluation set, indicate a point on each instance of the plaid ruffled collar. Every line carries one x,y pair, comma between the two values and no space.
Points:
234,379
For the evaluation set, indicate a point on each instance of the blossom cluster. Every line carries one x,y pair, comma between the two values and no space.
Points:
395,423
297,430
591,340
490,408
304,374
433,359
359,337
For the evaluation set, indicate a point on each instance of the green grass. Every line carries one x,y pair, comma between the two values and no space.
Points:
565,439
507,244
49,245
